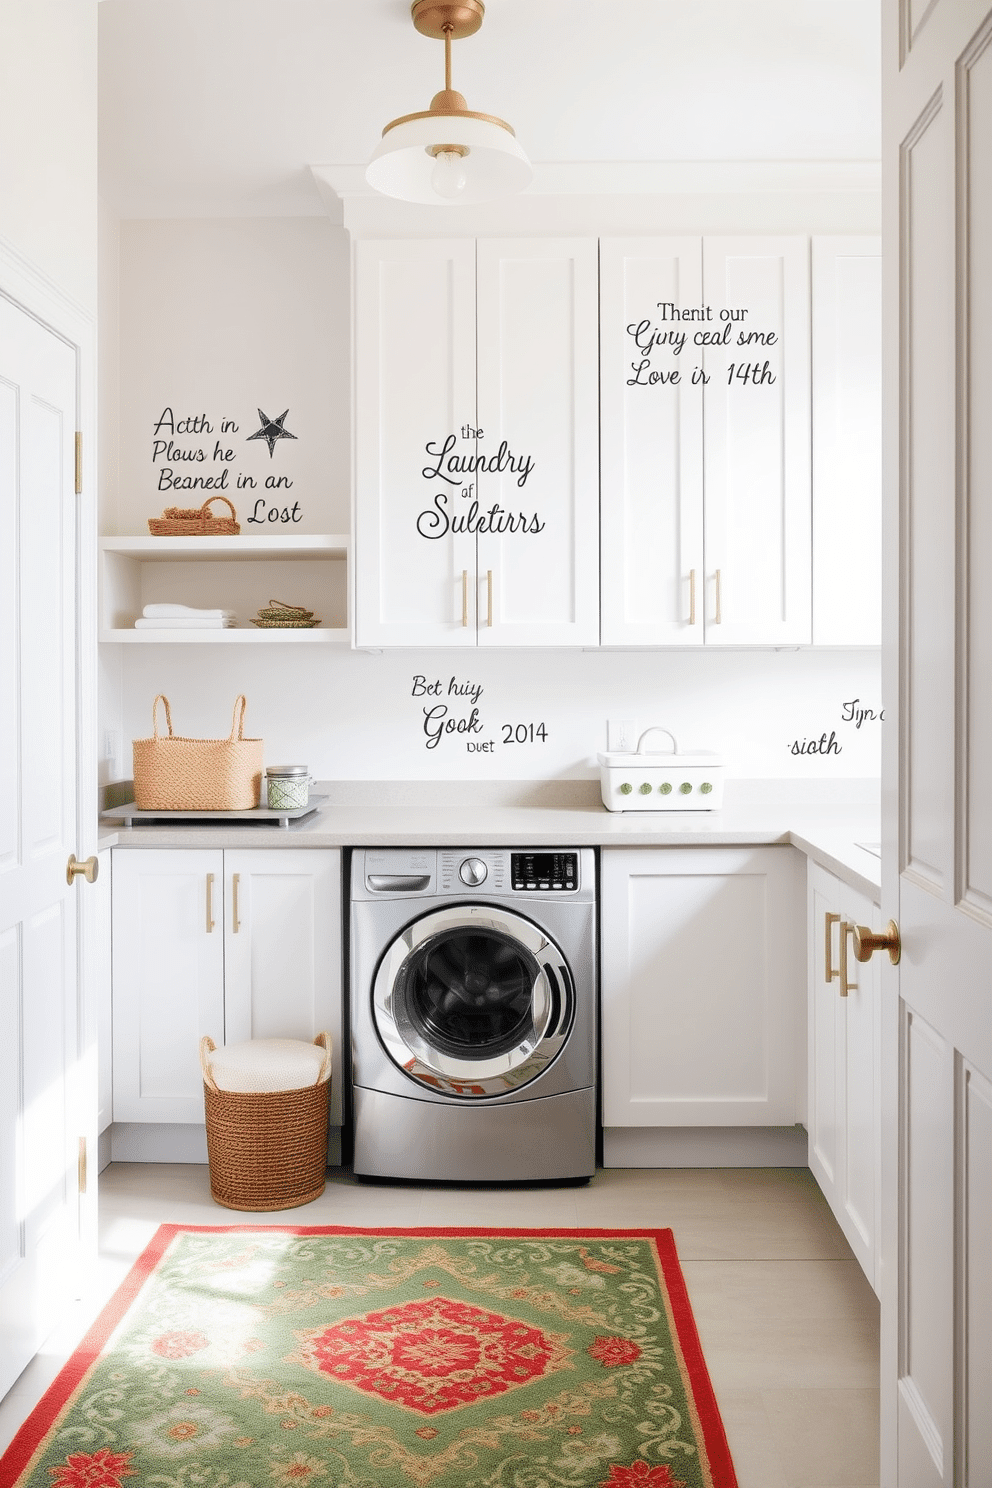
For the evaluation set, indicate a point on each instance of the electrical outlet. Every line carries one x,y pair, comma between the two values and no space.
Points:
111,745
620,734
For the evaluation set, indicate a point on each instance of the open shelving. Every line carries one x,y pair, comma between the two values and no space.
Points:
237,573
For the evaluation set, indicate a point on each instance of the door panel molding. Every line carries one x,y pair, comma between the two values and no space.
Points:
973,1303
921,747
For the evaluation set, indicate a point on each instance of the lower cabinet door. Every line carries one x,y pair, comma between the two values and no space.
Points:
168,975
702,986
283,949
844,1112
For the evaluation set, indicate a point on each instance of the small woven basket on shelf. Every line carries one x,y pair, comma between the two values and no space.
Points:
177,521
267,1149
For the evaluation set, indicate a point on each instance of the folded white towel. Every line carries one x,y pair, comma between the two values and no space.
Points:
185,622
154,611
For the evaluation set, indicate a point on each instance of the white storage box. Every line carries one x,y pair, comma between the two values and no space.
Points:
661,780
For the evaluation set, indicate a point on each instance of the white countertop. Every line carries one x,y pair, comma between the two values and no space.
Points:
822,821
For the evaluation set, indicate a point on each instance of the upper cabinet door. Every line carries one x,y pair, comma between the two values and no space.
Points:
538,476
651,436
847,441
414,400
756,345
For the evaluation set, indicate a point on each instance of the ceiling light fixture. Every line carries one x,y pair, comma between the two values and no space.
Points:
448,154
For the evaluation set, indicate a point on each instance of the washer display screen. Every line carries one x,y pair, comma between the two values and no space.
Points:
547,870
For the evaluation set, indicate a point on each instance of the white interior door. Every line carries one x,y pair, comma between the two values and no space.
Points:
39,1218
937,1177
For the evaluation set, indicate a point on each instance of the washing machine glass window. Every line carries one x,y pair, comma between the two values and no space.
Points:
473,1001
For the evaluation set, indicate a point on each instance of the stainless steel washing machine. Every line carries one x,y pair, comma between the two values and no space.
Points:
473,1013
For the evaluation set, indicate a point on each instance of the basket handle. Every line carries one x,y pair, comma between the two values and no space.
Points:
280,604
656,729
168,714
207,1046
238,721
205,508
323,1041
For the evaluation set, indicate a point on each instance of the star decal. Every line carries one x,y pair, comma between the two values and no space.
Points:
271,430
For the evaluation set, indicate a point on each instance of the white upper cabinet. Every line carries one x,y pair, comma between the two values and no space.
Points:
706,441
757,441
651,437
414,389
847,442
538,347
476,443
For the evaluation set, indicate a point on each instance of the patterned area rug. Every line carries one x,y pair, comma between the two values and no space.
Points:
244,1356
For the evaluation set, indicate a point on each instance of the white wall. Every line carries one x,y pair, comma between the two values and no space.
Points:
222,317
48,121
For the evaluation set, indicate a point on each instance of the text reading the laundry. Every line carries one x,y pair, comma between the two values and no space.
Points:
195,439
671,329
459,456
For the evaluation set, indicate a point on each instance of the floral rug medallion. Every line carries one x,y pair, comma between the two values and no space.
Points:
253,1356
434,1355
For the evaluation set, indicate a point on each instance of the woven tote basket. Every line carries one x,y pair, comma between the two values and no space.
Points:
176,774
267,1150
177,521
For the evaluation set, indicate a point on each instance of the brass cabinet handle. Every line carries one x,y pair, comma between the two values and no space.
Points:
866,942
465,598
210,902
845,986
692,596
718,619
235,886
489,602
830,973
88,870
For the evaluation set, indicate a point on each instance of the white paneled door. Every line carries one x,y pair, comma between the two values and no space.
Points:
937,880
39,1220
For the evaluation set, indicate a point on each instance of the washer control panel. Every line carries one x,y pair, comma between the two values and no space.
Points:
536,871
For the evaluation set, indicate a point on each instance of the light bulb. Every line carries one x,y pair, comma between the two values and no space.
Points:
448,177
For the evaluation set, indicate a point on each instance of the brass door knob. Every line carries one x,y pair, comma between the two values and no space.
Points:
866,942
89,869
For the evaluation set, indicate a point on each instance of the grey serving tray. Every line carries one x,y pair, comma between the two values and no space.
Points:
128,815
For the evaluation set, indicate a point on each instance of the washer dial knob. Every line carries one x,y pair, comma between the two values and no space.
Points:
473,872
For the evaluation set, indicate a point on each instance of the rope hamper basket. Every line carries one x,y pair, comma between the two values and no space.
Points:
266,1146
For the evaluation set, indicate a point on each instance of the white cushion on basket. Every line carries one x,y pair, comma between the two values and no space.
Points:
266,1064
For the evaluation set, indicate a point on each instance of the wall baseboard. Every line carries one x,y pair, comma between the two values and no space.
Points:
705,1147
165,1142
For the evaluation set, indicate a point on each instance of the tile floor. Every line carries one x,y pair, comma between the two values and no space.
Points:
789,1325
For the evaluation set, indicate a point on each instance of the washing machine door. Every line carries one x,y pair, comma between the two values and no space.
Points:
473,1001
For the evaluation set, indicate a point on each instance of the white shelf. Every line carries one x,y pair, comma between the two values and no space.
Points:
241,573
213,549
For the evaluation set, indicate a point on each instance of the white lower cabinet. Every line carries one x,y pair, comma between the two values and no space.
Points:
234,944
844,1114
702,987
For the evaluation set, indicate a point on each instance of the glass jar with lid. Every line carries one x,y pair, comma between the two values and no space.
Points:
287,787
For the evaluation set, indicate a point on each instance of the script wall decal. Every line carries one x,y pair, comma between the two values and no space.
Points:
454,458
197,453
853,712
451,714
672,329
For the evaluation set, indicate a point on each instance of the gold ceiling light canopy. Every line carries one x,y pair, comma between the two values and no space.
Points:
448,153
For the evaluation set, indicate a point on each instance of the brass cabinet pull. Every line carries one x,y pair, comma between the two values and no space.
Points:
866,942
830,973
210,902
692,596
235,886
489,604
846,929
88,870
718,620
465,598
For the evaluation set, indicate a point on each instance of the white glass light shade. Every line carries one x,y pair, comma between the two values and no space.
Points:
493,162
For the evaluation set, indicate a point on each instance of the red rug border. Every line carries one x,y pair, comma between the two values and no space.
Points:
32,1432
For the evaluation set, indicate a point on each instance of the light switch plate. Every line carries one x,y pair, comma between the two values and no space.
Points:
621,734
